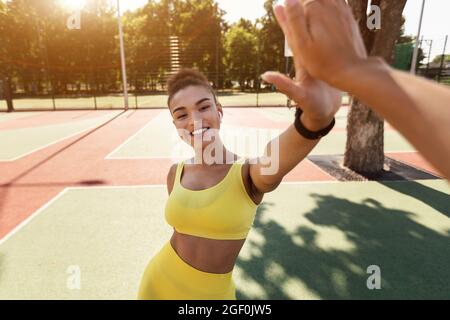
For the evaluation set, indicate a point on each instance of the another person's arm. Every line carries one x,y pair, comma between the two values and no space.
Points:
418,108
326,38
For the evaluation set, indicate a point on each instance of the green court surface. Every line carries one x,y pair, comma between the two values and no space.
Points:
285,114
242,140
309,241
20,142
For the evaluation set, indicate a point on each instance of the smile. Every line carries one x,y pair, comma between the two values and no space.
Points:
199,131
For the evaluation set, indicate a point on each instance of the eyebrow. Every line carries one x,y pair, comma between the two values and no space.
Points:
197,103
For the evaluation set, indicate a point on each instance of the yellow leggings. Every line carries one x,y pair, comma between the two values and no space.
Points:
168,277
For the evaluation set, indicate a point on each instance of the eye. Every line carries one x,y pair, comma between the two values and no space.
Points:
181,117
204,108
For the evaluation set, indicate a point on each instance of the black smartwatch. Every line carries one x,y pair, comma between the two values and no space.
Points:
307,134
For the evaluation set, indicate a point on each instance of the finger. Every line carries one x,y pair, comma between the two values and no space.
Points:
285,85
282,21
297,28
341,3
354,30
296,22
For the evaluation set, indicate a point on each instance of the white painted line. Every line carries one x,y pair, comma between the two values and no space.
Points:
59,195
118,187
24,222
130,138
164,185
323,171
52,143
146,158
313,182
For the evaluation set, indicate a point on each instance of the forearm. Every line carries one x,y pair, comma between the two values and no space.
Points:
281,155
419,109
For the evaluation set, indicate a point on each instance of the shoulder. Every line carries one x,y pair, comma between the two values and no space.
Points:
251,189
171,177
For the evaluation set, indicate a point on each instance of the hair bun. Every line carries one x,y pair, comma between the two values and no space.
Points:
187,77
184,75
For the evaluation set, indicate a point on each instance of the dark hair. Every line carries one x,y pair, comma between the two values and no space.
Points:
187,77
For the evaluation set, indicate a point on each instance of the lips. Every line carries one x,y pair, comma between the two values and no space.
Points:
199,131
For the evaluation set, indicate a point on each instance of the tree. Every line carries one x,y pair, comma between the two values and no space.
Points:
5,70
404,48
3,34
193,29
240,54
365,129
272,40
438,58
199,26
147,32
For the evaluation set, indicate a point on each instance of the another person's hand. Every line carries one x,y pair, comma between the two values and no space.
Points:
324,38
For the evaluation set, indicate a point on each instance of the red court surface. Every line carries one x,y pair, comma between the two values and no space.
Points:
28,183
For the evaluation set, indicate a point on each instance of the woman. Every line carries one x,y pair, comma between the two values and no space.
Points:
213,198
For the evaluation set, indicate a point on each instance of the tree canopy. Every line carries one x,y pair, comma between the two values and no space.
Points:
42,55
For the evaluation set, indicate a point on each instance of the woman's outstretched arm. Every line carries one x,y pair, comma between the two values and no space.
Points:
282,154
326,38
319,103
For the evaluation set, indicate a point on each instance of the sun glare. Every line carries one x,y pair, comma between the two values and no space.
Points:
73,4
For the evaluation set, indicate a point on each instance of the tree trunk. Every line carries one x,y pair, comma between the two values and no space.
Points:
364,151
8,94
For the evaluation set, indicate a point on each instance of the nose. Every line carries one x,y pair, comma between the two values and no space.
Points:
196,121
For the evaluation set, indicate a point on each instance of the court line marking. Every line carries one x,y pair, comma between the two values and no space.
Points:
58,196
31,217
22,224
108,157
51,143
168,157
119,187
320,169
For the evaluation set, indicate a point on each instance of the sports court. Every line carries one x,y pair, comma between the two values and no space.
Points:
87,140
83,192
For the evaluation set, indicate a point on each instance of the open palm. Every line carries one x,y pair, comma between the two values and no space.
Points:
317,99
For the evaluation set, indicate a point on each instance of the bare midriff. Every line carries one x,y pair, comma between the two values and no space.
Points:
207,255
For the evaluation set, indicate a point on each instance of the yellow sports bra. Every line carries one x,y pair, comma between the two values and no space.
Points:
224,211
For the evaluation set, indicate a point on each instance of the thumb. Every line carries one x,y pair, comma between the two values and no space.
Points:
285,85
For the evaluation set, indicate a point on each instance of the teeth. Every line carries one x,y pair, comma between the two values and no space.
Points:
199,131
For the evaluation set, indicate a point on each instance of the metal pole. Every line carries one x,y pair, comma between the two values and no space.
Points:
122,57
442,59
429,57
416,47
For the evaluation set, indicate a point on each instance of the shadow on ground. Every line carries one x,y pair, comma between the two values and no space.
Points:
414,260
438,200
